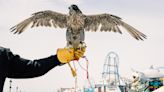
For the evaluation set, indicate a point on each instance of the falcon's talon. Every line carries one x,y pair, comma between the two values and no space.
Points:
81,45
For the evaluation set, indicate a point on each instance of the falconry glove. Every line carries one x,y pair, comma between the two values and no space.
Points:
65,55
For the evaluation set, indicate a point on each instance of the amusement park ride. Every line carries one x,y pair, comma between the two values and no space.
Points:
149,80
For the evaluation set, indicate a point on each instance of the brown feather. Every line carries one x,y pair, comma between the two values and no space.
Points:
110,23
42,18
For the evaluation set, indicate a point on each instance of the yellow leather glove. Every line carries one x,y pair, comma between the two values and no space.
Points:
79,53
66,55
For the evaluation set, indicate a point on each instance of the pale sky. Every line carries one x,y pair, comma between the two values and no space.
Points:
145,15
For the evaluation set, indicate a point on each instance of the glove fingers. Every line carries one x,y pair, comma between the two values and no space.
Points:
77,56
79,53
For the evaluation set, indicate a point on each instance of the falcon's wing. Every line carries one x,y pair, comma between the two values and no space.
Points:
42,18
110,23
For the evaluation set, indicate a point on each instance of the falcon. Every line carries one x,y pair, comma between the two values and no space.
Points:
76,23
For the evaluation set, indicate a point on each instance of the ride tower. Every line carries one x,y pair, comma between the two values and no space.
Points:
110,73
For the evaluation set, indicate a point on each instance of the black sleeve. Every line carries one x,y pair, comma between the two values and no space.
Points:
23,68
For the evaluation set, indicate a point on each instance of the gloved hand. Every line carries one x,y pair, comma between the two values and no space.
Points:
79,53
66,55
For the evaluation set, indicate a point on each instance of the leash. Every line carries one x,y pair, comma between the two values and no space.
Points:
86,69
74,74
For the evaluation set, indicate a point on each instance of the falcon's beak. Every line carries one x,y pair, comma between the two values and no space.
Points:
69,8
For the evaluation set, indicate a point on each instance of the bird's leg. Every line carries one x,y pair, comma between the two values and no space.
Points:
82,45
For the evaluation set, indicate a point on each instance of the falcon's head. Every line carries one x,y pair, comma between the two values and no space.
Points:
74,9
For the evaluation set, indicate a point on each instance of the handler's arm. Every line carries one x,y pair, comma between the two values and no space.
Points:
24,68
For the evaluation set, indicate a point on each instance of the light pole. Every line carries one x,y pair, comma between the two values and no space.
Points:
17,89
10,85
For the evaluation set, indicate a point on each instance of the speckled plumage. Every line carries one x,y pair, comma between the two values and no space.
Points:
76,22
